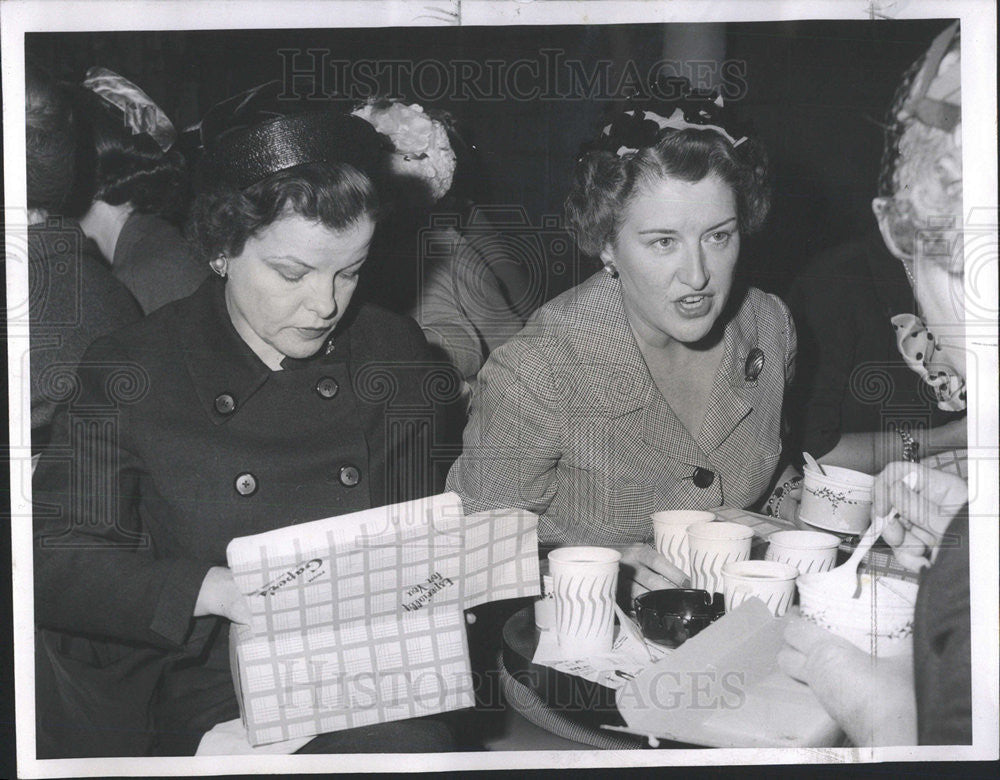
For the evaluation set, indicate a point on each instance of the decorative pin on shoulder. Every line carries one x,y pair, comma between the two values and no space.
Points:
754,364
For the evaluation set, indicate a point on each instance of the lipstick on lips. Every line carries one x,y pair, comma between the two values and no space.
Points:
694,305
310,334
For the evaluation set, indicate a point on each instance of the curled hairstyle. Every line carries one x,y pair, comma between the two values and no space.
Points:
604,183
334,193
118,167
902,130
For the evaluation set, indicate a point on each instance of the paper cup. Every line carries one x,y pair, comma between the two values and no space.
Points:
840,500
879,621
584,581
670,534
770,581
807,551
710,545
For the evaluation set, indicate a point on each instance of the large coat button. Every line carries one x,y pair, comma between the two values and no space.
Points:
246,484
225,403
703,477
349,476
327,387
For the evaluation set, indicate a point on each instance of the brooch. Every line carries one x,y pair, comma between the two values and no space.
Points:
754,365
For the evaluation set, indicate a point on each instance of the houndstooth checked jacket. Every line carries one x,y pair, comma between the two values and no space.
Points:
567,422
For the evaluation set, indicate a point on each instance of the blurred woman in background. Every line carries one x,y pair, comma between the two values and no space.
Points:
465,289
133,190
73,298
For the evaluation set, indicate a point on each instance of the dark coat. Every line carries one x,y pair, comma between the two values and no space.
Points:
849,376
179,439
73,299
942,643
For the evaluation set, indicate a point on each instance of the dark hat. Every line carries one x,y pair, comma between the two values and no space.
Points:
255,134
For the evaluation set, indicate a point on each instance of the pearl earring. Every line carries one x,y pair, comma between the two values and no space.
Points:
610,268
219,265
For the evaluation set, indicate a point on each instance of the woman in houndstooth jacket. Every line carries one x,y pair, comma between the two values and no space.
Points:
657,384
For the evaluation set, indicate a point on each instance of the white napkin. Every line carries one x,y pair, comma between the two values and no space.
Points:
627,658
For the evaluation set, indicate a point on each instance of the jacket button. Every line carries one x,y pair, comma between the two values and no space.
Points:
225,403
246,484
703,477
327,387
349,476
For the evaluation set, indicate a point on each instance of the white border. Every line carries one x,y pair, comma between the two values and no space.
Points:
980,187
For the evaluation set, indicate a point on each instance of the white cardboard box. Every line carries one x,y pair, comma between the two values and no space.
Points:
359,619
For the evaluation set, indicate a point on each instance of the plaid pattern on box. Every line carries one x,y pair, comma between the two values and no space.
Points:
952,461
359,619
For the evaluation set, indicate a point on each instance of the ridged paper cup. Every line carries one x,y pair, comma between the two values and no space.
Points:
670,534
770,581
711,545
584,581
807,551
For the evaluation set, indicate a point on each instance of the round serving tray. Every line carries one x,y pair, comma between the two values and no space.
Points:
584,702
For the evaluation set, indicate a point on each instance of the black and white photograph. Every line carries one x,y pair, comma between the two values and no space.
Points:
453,385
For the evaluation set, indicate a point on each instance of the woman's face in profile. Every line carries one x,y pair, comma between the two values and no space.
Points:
676,253
292,282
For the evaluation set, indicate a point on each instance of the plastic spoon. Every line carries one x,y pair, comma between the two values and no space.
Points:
842,582
813,462
844,579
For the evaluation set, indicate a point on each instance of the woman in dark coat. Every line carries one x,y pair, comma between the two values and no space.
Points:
262,400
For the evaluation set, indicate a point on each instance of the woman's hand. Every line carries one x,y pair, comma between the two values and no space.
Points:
925,510
643,569
873,700
230,739
220,596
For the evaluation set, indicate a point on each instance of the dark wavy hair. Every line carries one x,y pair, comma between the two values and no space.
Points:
116,166
604,183
336,194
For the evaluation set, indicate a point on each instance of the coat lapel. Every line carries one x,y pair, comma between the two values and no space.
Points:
732,393
618,373
221,363
218,360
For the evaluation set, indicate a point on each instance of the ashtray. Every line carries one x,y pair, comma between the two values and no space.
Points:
671,617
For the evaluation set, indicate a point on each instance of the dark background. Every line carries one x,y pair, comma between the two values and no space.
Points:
816,93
